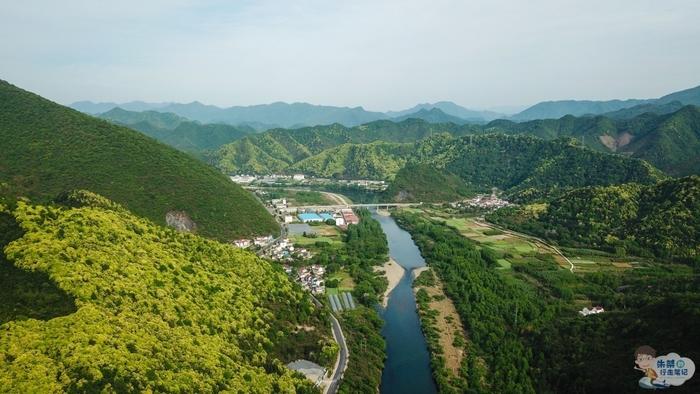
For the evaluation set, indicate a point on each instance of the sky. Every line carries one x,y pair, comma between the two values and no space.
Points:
381,55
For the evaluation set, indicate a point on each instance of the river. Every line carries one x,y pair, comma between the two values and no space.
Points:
407,367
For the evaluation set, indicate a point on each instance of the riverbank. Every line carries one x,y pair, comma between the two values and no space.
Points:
417,271
441,324
393,273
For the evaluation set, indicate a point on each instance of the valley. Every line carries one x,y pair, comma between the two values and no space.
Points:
174,246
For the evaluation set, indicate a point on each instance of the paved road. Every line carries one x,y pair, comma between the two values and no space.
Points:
342,363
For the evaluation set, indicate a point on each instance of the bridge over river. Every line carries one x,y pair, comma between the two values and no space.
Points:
382,205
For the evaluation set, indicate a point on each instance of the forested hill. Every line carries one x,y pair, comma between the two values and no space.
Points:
96,299
277,150
178,132
48,149
158,120
671,142
660,220
527,167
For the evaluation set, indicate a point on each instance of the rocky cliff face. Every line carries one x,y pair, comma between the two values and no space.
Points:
180,221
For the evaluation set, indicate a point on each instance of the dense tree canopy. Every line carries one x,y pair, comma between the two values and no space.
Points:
661,219
155,310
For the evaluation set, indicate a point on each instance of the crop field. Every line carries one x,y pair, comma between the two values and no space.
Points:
345,282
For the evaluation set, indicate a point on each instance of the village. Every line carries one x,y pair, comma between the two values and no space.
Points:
304,180
298,225
482,201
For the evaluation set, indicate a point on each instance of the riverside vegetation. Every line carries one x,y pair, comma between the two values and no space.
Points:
364,247
524,332
656,220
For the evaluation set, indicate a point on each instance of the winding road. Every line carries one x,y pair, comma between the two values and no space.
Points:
341,363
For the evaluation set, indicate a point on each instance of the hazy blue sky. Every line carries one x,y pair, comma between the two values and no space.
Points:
378,54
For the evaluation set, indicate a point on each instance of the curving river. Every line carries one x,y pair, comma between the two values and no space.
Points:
407,367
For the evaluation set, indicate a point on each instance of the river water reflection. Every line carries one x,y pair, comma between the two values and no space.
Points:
407,368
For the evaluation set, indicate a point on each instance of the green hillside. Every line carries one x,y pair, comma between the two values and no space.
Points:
444,168
421,182
376,160
159,120
530,168
178,132
49,149
670,141
276,150
137,307
660,219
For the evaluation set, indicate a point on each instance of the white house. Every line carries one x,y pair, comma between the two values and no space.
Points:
298,177
593,311
242,243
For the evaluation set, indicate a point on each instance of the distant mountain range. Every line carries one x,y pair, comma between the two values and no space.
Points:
275,115
557,109
434,115
268,116
448,108
91,108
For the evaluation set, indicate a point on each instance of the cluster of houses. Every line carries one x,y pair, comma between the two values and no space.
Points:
246,179
310,278
257,241
483,201
284,251
303,180
379,186
593,311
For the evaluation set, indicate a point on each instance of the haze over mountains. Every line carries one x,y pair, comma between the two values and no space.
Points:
280,114
557,109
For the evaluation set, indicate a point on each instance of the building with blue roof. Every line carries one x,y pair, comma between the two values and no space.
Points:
309,217
326,216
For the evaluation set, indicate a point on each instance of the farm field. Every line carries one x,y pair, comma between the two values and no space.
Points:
514,249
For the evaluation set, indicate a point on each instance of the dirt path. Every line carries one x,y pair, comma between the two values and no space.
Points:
337,198
537,241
